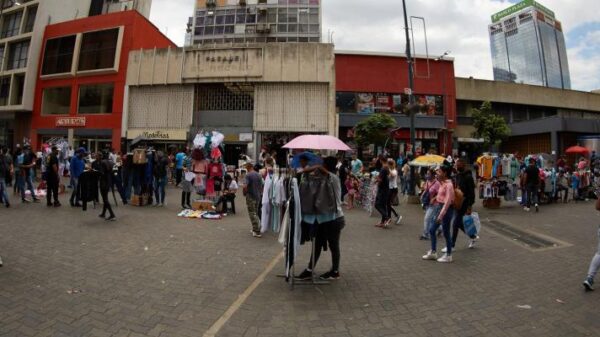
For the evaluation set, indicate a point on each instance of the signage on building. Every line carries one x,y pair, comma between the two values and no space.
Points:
157,134
246,137
70,122
522,5
219,63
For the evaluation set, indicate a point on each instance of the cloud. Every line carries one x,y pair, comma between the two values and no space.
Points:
459,26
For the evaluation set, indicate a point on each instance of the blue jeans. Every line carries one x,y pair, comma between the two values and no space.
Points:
29,182
446,223
159,189
428,221
4,194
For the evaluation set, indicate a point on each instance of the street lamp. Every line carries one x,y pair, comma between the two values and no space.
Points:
411,99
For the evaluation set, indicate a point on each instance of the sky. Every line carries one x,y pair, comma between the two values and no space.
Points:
457,26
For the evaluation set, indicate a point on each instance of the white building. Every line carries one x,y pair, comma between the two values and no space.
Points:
22,26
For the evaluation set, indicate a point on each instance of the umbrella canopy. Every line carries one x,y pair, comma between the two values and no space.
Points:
313,159
428,160
577,150
317,142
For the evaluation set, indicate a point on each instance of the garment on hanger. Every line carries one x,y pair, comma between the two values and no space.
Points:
506,166
265,221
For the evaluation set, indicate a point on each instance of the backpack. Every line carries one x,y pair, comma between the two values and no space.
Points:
459,198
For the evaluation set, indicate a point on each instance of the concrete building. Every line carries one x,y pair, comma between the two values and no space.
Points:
21,41
258,96
528,46
368,83
80,90
542,120
239,21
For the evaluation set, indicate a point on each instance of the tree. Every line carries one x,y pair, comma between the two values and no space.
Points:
374,130
489,126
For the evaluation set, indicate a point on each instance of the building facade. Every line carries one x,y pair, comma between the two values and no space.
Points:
528,46
255,21
21,39
80,88
258,96
542,120
368,83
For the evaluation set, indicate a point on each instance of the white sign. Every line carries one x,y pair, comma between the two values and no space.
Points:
246,137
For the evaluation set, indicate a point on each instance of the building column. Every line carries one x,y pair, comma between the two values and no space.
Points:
71,137
554,146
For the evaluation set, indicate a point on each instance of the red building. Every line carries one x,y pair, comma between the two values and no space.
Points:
368,83
81,81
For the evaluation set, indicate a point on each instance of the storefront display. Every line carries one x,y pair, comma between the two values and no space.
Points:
369,103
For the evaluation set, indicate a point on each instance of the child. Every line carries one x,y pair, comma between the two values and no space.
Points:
352,186
575,185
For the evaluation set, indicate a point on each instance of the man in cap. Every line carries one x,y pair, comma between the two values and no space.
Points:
77,165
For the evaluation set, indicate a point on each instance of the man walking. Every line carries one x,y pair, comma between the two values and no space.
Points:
27,165
532,182
588,283
466,183
160,178
179,166
52,178
356,165
252,193
76,166
106,171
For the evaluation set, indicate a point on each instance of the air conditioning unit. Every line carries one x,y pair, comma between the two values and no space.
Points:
263,28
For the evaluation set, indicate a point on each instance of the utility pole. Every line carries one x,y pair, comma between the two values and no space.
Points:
411,99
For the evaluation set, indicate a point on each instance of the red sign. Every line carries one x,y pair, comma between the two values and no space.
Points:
70,122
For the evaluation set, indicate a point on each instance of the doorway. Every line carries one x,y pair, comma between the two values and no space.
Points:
233,152
96,145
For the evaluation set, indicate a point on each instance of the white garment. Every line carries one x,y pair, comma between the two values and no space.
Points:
266,205
393,179
505,166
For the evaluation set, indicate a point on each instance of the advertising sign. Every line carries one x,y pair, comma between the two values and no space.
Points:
70,122
521,5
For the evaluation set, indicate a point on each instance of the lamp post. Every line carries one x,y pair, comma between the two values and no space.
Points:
411,99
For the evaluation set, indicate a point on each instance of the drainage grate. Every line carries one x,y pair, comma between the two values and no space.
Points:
532,241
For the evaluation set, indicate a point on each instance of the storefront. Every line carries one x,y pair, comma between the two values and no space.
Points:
159,139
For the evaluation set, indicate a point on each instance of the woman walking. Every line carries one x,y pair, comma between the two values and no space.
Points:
429,201
393,190
444,213
383,194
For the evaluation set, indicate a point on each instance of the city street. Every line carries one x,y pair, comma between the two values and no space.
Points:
68,273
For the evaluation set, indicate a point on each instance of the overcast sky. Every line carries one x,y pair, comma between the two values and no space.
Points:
458,26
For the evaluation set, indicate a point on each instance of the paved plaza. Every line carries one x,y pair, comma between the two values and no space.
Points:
68,273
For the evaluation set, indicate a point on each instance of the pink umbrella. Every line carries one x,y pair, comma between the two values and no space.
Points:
317,142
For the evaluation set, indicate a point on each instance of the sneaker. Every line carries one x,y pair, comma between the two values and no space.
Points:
111,218
537,208
588,284
399,220
102,216
472,243
431,255
526,209
445,250
445,259
386,224
256,234
379,224
305,275
423,237
330,275
7,205
57,204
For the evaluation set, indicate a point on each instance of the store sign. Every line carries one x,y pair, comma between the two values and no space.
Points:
522,5
246,137
70,122
157,134
219,63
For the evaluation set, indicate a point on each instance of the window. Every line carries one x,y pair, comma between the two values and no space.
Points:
30,21
11,24
17,55
58,55
17,95
4,90
56,101
1,56
98,49
96,98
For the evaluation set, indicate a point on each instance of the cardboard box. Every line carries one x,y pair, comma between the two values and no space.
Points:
202,205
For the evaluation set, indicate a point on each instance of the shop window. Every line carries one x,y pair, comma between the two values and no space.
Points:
98,49
30,21
17,88
4,90
96,98
56,101
345,102
58,55
11,24
2,56
17,55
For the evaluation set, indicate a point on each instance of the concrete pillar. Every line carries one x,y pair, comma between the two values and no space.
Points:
71,137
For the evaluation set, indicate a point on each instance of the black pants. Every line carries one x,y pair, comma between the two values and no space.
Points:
393,195
381,205
106,203
178,176
52,190
185,199
224,199
328,234
458,223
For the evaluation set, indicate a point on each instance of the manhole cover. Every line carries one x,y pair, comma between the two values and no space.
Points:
532,241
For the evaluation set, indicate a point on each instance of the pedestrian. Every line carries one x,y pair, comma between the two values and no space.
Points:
52,178
405,178
393,199
443,213
27,167
329,226
9,161
17,161
6,168
356,165
161,171
532,183
229,191
252,188
179,166
186,184
105,168
383,194
465,182
428,196
588,283
343,172
76,167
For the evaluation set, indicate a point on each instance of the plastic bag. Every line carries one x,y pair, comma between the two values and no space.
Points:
472,224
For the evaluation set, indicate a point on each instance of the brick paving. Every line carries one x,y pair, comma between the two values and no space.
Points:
68,273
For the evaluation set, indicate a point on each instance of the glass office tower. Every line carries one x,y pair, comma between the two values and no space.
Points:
241,21
528,46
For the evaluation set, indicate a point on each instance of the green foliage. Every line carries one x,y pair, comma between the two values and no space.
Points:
374,130
489,126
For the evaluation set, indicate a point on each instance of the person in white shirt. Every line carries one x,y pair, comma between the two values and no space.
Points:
393,183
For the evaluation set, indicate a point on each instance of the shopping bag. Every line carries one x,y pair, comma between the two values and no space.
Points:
477,222
469,221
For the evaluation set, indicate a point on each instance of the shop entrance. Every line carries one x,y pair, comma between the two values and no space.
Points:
96,145
233,152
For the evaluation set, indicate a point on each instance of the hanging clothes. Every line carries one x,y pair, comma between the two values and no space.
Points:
265,221
506,166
